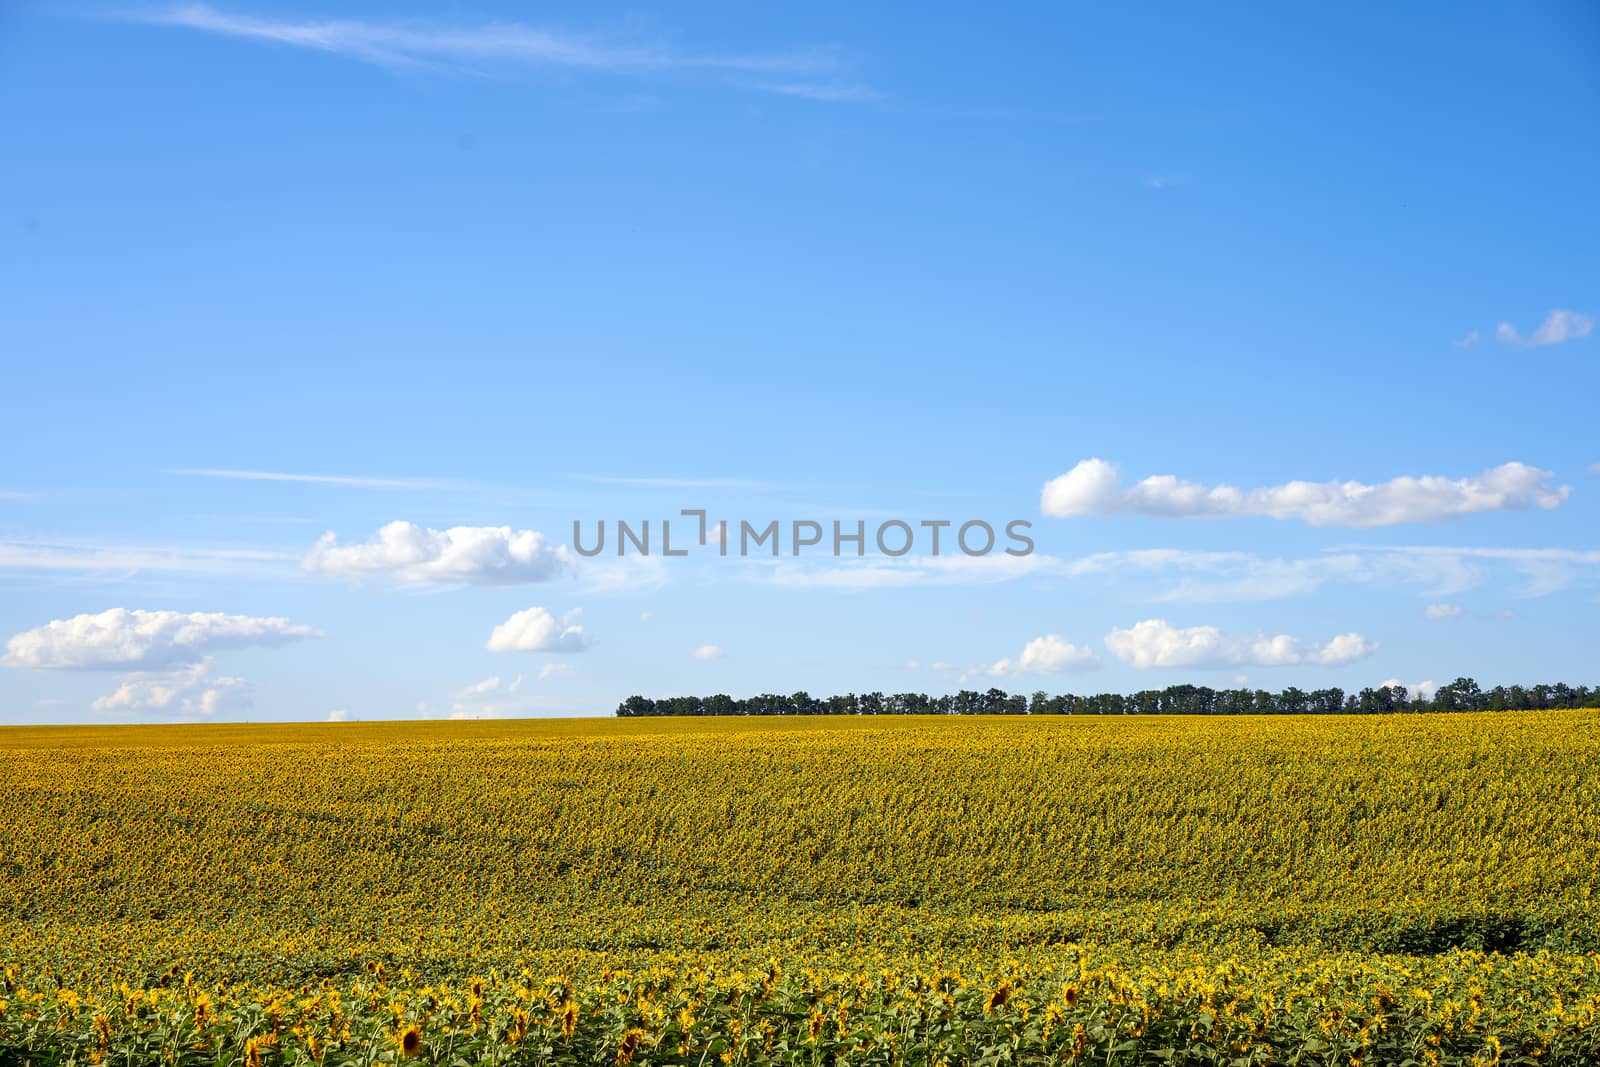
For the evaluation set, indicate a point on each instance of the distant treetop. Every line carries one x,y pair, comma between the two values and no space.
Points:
1463,694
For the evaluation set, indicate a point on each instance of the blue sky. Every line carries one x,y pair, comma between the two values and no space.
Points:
475,267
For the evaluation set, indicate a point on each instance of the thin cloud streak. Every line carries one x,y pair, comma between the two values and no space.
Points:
420,45
344,480
815,91
1201,577
132,559
674,483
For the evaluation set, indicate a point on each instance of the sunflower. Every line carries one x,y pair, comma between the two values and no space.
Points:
569,1018
253,1047
998,998
628,1046
409,1040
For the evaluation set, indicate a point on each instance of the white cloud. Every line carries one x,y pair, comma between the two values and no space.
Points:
1092,488
186,691
1471,338
644,616
1226,576
674,483
488,699
477,555
1444,611
885,572
339,715
120,638
1419,691
343,481
1457,569
132,559
1050,654
708,652
555,670
846,92
1204,577
489,685
1157,643
630,574
417,45
1558,326
536,630
1346,648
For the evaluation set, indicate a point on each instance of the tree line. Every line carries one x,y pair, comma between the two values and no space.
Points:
1463,694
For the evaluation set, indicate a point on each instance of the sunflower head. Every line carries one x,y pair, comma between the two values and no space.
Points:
628,1046
410,1040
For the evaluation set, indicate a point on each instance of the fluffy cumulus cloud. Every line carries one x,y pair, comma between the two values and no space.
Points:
120,639
537,630
190,692
1559,326
476,555
1050,654
1157,643
1093,488
708,652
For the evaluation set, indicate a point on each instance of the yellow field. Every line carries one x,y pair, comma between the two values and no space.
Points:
1338,881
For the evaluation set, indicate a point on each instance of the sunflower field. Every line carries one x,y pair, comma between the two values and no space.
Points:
1406,889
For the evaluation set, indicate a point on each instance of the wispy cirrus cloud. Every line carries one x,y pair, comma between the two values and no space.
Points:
813,73
1187,576
344,481
1544,570
1559,326
135,559
674,483
885,572
824,91
1434,570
